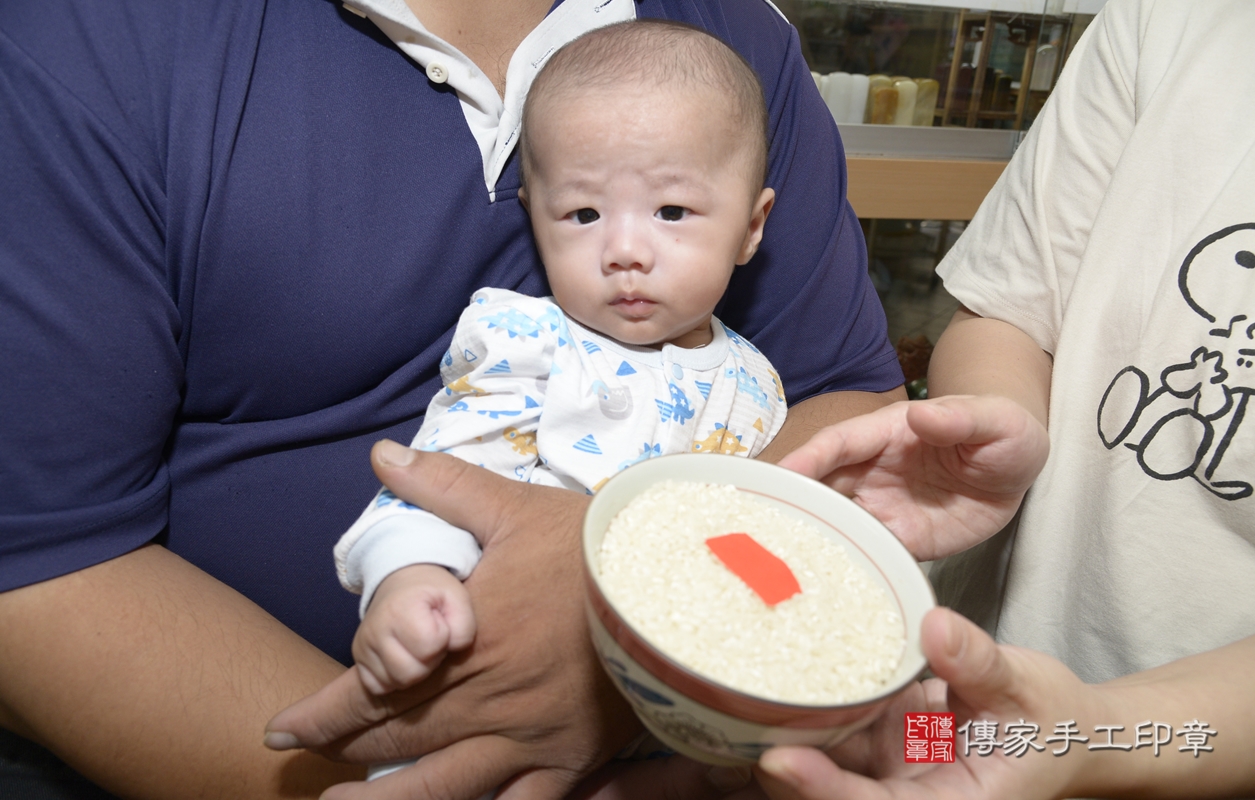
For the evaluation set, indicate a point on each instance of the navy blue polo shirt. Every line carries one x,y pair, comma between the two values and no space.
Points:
235,237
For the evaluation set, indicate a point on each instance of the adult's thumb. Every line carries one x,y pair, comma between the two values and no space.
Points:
488,505
336,710
974,667
462,494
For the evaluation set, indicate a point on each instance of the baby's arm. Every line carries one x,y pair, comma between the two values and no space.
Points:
494,375
400,557
418,614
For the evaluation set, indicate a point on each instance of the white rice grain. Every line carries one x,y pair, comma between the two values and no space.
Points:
839,641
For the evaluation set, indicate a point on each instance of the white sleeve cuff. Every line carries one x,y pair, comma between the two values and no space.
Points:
404,540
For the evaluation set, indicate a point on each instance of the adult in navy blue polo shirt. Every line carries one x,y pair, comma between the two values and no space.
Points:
234,242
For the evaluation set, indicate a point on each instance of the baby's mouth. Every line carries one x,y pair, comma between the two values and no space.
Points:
633,305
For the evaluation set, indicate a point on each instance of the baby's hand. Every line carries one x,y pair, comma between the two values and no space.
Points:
417,615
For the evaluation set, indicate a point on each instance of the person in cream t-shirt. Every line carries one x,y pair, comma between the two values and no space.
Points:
1122,240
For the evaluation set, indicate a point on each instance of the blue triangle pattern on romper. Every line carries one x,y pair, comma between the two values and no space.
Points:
588,445
528,402
704,388
469,356
625,369
591,347
500,368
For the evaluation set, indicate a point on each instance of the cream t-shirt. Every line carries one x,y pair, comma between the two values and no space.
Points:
1122,239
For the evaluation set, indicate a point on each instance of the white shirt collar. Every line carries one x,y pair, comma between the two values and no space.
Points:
493,122
700,358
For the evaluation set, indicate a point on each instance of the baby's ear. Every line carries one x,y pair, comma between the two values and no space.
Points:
758,218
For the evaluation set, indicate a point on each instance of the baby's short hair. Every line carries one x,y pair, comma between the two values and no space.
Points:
662,52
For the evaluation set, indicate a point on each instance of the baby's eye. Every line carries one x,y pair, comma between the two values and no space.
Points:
672,213
585,216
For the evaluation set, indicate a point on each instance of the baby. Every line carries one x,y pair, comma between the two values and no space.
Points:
644,154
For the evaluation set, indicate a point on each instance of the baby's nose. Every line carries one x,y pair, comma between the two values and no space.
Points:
628,247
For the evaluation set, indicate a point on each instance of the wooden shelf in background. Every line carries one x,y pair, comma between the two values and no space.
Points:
919,188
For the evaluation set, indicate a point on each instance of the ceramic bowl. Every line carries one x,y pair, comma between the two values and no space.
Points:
705,720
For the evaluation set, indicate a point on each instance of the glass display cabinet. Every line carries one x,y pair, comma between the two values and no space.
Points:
932,97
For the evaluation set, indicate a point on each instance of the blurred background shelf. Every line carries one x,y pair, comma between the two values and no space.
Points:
908,172
992,66
905,141
919,188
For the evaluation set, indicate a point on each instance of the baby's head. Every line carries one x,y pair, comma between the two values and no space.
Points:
644,156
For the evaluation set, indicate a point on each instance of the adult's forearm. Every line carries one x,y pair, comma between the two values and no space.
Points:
1212,687
154,679
813,414
976,355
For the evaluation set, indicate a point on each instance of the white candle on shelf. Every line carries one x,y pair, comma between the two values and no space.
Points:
837,94
858,99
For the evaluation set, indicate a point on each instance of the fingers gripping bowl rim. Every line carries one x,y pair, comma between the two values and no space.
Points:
697,716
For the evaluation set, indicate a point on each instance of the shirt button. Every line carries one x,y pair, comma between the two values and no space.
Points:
437,72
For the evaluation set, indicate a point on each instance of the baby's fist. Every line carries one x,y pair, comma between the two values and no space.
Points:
418,614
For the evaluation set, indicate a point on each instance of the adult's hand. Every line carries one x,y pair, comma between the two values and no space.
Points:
985,681
941,474
1014,685
527,707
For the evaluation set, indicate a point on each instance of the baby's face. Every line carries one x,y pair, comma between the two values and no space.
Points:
642,205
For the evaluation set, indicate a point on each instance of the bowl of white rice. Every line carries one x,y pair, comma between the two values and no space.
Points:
739,606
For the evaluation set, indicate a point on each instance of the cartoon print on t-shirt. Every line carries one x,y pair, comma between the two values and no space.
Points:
1185,426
